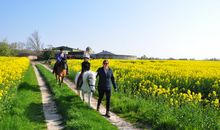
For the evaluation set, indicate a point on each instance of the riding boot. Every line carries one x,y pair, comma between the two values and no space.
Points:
107,114
98,105
67,69
53,70
97,109
54,67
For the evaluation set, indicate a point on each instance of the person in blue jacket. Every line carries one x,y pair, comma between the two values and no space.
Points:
61,58
106,80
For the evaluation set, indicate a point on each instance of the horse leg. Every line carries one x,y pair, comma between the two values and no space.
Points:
55,76
57,79
62,79
79,93
83,96
89,98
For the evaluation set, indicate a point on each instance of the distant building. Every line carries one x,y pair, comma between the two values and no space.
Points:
108,55
73,53
76,54
65,49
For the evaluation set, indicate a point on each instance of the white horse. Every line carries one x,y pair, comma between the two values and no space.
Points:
88,85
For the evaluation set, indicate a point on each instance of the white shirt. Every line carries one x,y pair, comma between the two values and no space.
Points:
106,70
62,55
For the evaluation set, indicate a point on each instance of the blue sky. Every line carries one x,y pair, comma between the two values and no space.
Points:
157,28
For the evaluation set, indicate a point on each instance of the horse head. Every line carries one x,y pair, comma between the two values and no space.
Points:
91,78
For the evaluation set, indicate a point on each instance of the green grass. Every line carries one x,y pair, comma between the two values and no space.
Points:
76,114
160,115
26,112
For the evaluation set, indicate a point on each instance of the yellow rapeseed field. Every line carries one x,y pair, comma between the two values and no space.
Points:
174,80
11,71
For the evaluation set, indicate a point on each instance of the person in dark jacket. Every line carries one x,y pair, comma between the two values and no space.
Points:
85,67
85,64
106,80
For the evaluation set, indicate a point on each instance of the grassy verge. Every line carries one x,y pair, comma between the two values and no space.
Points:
77,115
160,115
26,112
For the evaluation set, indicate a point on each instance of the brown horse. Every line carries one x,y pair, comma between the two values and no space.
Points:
60,72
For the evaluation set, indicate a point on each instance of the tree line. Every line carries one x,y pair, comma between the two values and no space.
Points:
33,46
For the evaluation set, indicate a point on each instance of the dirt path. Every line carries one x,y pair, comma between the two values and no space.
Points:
114,119
52,118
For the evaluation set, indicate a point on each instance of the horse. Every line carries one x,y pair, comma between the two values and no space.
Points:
88,85
60,72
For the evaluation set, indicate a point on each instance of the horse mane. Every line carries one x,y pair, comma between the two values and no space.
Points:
85,73
90,73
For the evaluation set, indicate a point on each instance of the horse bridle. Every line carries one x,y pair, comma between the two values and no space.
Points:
90,85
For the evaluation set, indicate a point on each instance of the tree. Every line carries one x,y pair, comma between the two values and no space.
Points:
48,54
17,46
50,47
34,42
144,57
5,49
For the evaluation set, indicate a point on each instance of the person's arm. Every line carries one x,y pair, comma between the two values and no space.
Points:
82,67
113,80
65,56
88,66
58,57
97,73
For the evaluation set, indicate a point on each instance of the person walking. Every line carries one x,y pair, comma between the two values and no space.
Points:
106,80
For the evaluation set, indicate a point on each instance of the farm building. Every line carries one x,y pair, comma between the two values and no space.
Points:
65,49
71,52
78,54
108,55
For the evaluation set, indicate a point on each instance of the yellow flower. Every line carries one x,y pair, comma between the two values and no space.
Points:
11,71
214,93
216,102
161,78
